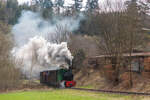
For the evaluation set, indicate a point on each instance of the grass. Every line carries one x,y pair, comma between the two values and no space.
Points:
87,87
65,95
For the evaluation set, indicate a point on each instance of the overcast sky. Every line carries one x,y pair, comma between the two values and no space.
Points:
101,2
67,1
23,1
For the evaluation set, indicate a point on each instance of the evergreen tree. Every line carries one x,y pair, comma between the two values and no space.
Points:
45,7
13,12
92,4
59,4
78,5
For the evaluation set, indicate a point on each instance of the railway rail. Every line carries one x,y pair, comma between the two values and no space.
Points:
113,92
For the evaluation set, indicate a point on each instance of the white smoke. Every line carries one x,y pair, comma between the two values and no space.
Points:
33,52
31,24
38,55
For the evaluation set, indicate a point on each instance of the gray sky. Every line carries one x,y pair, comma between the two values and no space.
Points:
71,1
23,1
101,3
67,1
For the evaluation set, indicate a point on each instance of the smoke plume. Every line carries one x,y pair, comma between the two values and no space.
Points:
34,52
31,24
38,55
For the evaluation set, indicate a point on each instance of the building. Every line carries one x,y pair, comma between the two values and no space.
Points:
140,62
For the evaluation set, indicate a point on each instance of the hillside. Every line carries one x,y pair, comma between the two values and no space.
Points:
93,79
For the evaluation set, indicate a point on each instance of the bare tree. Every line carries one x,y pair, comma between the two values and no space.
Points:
9,75
120,32
61,34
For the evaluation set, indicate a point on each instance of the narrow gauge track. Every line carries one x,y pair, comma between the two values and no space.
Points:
113,92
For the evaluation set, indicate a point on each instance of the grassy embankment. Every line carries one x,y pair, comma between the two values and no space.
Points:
66,95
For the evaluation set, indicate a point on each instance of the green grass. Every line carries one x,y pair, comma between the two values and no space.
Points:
65,95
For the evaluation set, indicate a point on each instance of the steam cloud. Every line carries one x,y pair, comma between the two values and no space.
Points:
33,52
31,24
38,55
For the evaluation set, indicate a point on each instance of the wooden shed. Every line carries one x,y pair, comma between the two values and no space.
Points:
139,61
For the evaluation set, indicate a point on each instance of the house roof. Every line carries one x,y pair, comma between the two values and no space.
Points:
141,54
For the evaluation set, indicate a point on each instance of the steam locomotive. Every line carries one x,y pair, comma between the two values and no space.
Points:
62,78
